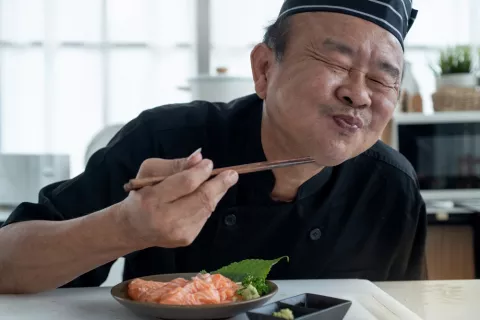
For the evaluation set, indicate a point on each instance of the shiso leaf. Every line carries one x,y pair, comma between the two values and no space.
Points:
256,268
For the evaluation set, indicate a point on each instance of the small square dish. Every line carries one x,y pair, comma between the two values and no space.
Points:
304,306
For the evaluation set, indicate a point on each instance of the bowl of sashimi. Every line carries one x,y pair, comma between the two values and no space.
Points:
224,293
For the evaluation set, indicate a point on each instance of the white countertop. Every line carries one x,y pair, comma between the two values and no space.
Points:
369,302
438,300
412,300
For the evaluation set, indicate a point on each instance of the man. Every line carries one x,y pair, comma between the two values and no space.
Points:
327,79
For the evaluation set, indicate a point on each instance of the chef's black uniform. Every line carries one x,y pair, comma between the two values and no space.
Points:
362,219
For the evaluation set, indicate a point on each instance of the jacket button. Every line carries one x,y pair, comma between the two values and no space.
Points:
230,220
315,234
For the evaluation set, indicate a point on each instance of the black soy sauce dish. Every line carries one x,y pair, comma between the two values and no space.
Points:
304,306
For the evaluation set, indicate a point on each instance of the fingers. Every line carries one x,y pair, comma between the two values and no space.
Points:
203,201
172,213
156,167
184,183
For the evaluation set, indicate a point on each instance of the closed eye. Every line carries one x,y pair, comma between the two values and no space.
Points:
377,81
381,82
334,65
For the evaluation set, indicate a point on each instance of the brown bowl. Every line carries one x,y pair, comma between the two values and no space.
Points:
161,311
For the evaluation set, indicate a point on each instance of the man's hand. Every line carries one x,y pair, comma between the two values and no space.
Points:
171,213
41,255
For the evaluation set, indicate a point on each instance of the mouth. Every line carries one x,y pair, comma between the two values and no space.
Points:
350,123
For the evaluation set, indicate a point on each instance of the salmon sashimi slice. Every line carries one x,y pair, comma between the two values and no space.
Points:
206,297
197,285
177,296
228,294
220,281
181,296
152,291
141,290
157,295
201,289
226,288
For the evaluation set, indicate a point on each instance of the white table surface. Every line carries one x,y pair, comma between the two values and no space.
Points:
429,300
369,302
438,300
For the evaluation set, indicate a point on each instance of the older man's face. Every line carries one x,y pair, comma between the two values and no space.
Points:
336,87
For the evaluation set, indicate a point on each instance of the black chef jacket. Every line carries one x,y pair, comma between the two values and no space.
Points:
363,218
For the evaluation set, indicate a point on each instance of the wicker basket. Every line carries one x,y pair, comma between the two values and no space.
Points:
456,99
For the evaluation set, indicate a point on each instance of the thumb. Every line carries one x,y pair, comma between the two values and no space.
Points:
156,167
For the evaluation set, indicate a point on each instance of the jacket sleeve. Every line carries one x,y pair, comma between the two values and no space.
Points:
99,186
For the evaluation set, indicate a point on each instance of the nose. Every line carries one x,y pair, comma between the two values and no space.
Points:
353,91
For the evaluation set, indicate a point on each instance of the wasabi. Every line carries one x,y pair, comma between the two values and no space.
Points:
284,314
249,292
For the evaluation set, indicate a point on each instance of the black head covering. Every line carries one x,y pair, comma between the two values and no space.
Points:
396,16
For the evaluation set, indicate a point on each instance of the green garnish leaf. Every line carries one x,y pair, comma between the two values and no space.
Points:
255,268
252,272
258,283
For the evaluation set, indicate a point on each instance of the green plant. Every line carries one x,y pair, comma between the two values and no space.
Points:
457,59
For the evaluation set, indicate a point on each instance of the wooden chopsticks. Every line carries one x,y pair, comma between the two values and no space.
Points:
135,184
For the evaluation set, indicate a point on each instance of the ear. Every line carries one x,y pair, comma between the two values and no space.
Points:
261,59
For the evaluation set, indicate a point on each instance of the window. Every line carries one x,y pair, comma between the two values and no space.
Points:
445,23
70,67
238,25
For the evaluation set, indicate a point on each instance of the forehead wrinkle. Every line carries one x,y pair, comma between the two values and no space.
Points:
322,30
332,44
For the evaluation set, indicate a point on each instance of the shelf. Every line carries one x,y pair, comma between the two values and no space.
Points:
437,117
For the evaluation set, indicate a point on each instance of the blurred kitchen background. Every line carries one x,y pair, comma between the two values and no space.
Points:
72,72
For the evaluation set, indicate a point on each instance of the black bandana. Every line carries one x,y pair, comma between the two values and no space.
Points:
396,16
